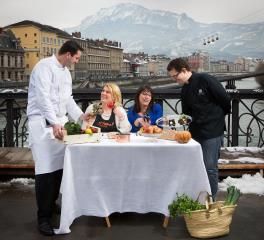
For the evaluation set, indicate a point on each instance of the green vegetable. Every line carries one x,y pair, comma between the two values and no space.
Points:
72,128
183,204
233,195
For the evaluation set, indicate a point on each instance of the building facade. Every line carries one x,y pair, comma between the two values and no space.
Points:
12,61
126,69
116,57
38,40
95,60
100,58
199,61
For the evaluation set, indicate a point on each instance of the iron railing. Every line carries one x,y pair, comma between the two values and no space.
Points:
244,125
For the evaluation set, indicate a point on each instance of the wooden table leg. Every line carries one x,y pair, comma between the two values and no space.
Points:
166,222
107,222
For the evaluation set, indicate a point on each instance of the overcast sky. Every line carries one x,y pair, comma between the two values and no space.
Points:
68,13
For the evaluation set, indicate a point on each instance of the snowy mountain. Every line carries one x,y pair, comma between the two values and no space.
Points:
164,32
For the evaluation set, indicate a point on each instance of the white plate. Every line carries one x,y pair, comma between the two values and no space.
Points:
153,135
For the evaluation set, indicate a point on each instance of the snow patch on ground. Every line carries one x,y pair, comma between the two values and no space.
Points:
246,184
24,184
242,160
244,149
22,181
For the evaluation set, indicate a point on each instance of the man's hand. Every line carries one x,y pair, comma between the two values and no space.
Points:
58,131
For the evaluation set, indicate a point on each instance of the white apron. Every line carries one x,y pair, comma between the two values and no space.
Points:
47,151
49,96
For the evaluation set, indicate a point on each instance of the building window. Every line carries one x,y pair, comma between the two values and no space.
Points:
59,41
35,41
2,61
21,61
9,75
54,41
21,75
37,54
15,61
35,34
3,75
25,34
47,40
16,75
43,39
51,40
8,61
27,55
27,66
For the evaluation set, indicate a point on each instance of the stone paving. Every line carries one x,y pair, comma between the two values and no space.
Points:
18,209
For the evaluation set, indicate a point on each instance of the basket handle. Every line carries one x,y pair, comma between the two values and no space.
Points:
208,199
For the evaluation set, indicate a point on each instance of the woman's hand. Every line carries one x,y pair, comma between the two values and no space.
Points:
141,122
88,120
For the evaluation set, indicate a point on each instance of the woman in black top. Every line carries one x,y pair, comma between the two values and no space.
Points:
109,115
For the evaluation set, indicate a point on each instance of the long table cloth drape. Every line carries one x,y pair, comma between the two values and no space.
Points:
141,176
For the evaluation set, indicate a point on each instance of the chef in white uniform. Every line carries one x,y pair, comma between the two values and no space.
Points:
49,99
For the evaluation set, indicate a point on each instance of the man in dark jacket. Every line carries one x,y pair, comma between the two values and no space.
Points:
206,101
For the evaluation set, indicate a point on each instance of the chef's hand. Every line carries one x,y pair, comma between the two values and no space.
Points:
58,131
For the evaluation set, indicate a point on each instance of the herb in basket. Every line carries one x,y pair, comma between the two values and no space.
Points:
182,205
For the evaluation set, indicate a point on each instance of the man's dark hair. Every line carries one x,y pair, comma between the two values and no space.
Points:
178,64
140,90
70,46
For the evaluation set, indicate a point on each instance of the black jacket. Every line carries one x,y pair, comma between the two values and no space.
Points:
206,101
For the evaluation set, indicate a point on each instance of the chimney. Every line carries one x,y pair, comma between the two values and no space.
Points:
77,34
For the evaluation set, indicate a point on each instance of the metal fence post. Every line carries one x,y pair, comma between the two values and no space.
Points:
9,123
235,121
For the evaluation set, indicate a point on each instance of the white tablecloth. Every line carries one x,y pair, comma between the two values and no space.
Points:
141,176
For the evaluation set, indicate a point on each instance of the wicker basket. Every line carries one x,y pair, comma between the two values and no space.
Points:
211,222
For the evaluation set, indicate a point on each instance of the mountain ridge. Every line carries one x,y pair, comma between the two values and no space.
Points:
170,33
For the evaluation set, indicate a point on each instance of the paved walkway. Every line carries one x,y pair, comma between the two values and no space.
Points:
17,221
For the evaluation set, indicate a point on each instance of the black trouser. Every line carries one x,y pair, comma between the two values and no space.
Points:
47,187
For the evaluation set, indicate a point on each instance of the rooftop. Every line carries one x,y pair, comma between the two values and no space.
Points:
8,41
42,27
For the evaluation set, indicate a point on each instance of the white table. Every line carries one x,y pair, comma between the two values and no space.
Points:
141,176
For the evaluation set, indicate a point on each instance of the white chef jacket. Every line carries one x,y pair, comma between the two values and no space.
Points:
49,98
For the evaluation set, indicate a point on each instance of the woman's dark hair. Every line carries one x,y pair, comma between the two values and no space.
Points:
70,46
144,88
178,64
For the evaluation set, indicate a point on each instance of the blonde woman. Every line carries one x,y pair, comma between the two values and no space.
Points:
109,115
